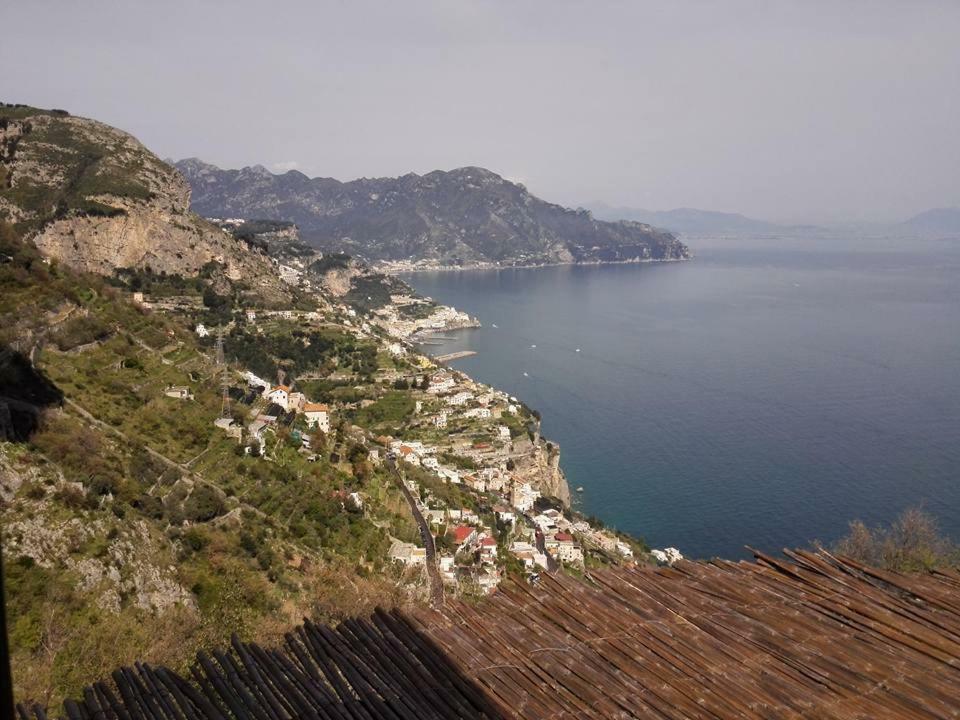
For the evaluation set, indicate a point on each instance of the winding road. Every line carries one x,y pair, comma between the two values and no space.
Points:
433,572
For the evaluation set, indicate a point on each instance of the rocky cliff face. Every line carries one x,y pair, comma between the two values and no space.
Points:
465,216
92,197
539,464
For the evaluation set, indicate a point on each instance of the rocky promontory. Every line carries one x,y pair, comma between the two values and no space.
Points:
466,217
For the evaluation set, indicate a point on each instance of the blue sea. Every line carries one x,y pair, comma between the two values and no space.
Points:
763,394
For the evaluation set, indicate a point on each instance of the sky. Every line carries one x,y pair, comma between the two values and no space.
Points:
807,111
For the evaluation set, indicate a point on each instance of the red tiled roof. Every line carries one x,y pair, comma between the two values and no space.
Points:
488,542
462,532
563,537
315,407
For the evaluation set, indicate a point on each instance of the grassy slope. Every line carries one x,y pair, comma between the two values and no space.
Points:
289,549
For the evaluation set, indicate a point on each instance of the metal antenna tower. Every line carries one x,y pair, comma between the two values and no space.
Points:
224,375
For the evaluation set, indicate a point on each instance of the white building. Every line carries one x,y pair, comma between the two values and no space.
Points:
279,394
460,398
480,412
503,432
505,515
440,382
407,553
408,455
529,555
449,475
201,330
317,415
440,420
448,568
488,550
567,549
180,392
523,496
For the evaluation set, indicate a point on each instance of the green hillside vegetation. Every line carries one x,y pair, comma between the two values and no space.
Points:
372,292
144,532
87,168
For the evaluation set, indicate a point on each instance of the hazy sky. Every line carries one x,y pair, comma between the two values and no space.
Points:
792,111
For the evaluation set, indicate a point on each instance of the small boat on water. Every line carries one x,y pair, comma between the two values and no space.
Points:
577,350
580,489
525,374
534,347
493,324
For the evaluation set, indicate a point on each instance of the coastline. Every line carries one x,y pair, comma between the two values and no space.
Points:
394,268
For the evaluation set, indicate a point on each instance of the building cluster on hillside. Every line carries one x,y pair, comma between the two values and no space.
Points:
274,405
402,324
511,526
463,434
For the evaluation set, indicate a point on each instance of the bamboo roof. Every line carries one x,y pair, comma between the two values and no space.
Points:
808,636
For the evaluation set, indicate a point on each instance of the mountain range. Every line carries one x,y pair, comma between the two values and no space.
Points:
467,217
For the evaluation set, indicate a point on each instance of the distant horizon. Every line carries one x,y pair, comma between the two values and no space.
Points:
591,205
796,112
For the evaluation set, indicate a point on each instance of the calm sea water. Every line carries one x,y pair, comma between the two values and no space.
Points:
763,394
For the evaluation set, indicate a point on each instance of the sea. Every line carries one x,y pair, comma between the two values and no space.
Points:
761,395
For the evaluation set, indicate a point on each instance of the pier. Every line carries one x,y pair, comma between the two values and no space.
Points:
454,356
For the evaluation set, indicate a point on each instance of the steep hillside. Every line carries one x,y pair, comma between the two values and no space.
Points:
467,216
132,524
92,197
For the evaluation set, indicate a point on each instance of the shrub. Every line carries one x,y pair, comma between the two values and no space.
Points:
912,543
149,505
203,504
195,539
74,498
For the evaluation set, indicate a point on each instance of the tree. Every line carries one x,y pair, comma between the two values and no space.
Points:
318,440
912,543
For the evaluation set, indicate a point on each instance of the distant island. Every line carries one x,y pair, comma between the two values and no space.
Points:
694,222
691,221
937,221
467,217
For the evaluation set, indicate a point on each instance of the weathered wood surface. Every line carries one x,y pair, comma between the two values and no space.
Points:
809,636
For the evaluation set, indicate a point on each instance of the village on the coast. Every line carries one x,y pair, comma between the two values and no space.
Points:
471,458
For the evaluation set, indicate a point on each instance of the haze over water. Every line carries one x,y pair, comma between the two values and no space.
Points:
763,394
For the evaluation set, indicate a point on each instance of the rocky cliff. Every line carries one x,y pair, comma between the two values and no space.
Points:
538,463
467,216
92,197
